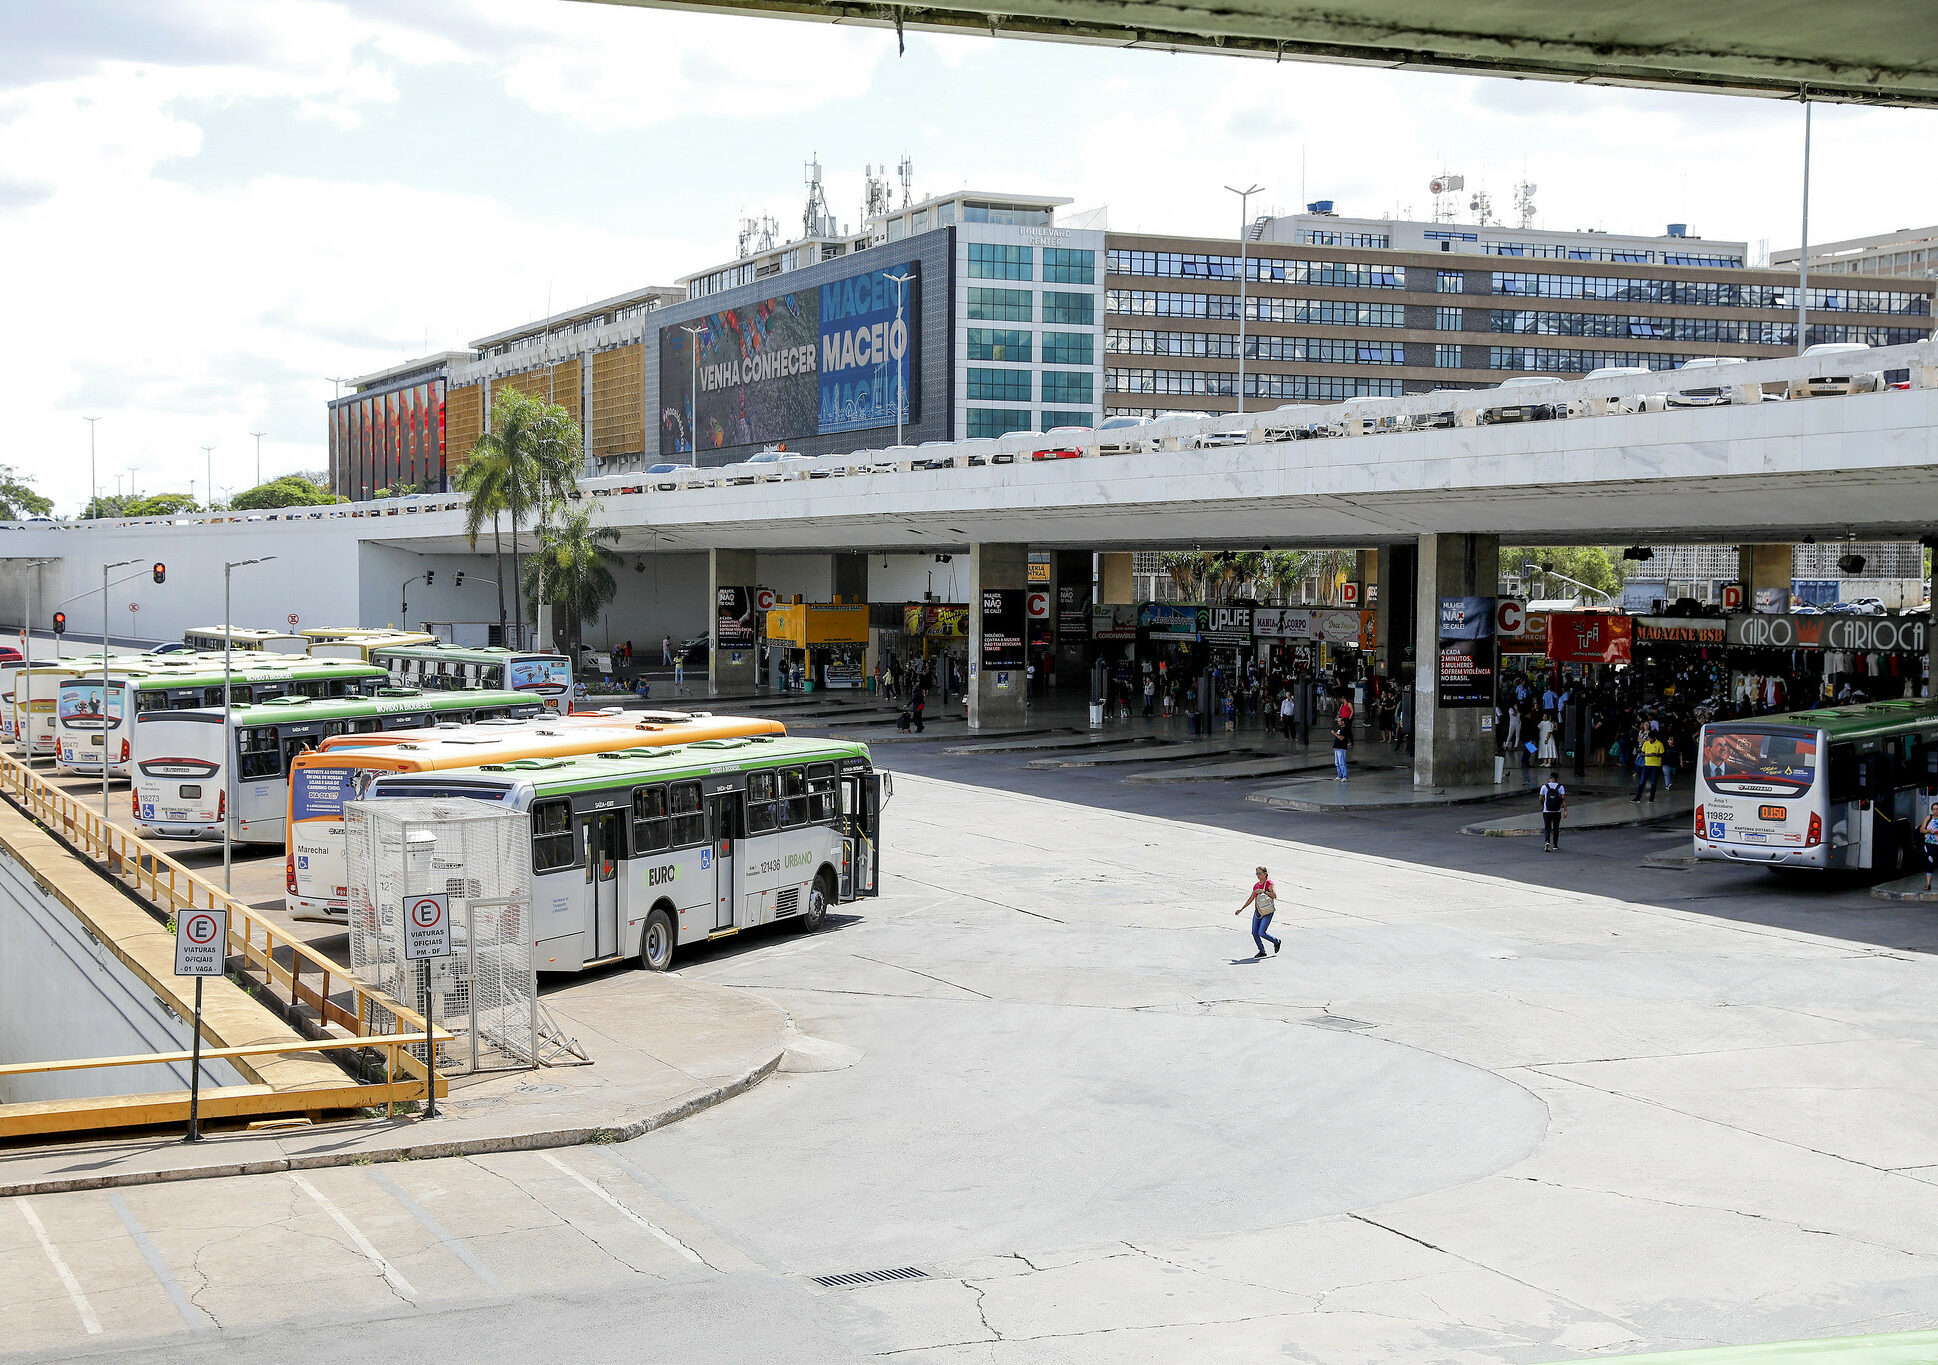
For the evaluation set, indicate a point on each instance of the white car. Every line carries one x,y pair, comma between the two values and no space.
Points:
1627,402
1225,436
1520,411
1708,396
1842,379
1124,436
768,466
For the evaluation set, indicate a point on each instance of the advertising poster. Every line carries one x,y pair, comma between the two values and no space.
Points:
936,621
734,623
1168,621
529,675
1581,637
1230,627
1073,610
1113,622
80,706
1466,618
866,350
1464,676
1003,623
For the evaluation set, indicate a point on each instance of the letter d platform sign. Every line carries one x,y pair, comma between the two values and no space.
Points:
427,927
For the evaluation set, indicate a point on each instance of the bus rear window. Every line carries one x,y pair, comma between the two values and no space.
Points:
1759,762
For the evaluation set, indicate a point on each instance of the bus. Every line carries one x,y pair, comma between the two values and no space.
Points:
439,667
189,784
183,682
637,854
210,639
1842,787
315,871
34,731
357,642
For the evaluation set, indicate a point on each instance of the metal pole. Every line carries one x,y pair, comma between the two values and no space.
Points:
105,688
900,281
228,734
195,1072
93,487
693,392
259,435
1244,215
430,1056
208,454
1803,246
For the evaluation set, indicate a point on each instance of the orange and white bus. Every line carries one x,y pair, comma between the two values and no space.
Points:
315,865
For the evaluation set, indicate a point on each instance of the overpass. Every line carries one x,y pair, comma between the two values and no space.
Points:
1439,476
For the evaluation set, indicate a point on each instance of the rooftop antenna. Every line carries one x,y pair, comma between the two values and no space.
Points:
905,168
1440,187
1524,201
816,221
1482,207
878,196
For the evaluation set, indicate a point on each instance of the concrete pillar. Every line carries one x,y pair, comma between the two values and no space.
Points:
1397,608
997,696
732,666
1071,573
1114,581
1768,567
851,578
1450,748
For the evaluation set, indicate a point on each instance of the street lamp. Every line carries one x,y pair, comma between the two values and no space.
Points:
900,280
1244,220
127,712
25,710
208,456
259,435
693,332
93,488
229,773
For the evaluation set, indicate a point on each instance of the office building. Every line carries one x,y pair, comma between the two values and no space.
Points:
1908,253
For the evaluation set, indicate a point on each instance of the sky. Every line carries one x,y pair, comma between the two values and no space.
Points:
210,209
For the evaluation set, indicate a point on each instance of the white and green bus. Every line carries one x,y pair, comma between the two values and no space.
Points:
239,639
446,668
641,853
189,781
1841,787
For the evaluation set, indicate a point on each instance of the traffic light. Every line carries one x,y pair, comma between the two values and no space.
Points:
60,623
460,579
430,577
161,573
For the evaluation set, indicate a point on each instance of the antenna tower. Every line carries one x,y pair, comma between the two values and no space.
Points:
906,170
816,221
1524,203
1441,186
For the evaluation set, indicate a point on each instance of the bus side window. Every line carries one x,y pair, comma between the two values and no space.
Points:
552,844
257,754
652,830
1842,787
794,791
820,794
411,720
365,725
689,819
763,811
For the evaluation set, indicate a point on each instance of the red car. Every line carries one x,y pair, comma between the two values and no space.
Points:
1063,443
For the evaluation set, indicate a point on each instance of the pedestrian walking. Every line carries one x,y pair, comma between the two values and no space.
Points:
1930,831
1263,903
1651,775
1346,715
1547,752
918,702
666,649
1554,805
1340,739
1150,696
679,674
1285,715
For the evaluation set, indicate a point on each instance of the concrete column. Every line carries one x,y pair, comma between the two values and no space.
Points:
738,668
1450,749
1114,580
1397,608
1764,566
851,578
996,698
1071,572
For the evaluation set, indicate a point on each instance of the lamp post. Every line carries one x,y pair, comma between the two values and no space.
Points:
229,773
25,710
1244,219
259,435
693,332
93,487
208,457
897,362
106,688
1803,245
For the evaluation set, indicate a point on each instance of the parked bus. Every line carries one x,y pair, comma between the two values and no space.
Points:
1843,787
357,642
440,667
188,783
640,853
209,640
182,682
32,696
315,871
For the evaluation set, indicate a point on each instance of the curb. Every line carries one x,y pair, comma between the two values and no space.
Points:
424,1151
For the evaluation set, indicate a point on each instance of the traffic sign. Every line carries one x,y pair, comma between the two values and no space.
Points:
294,618
201,942
134,606
427,927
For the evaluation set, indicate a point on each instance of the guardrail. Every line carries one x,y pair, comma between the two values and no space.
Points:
307,976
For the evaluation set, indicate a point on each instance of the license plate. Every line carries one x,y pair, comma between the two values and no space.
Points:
174,815
1755,837
1776,813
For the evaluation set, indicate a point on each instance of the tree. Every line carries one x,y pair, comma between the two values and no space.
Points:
162,505
18,501
1260,575
573,569
526,464
1591,564
111,505
291,490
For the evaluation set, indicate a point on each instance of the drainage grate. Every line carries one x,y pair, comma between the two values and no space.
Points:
861,1277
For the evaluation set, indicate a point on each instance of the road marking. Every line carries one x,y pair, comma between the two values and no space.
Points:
151,1253
658,1232
81,1305
423,1215
371,1254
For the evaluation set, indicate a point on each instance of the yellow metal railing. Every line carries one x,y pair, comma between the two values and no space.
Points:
308,976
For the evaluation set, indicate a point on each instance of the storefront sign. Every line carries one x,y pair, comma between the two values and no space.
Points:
1652,630
1290,623
734,626
1330,624
818,623
1073,611
1227,627
1117,622
935,621
1002,628
1858,634
1519,630
1169,621
1587,637
1039,571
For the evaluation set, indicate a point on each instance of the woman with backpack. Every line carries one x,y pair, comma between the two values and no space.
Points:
1263,903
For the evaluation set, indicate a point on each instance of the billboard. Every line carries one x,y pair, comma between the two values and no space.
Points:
733,626
1003,624
807,363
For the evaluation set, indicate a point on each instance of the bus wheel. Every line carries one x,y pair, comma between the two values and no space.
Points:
817,905
656,942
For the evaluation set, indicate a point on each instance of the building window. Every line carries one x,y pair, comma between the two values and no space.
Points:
1069,310
1446,320
994,261
1067,386
1446,357
1059,417
986,422
1451,281
1216,384
1064,348
1150,303
1001,386
1000,305
1326,237
1065,265
1265,269
986,343
1555,360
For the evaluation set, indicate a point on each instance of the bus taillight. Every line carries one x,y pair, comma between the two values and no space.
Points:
124,751
289,872
1701,828
1815,835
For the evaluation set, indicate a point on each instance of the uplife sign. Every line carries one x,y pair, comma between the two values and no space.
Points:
427,926
201,942
1227,627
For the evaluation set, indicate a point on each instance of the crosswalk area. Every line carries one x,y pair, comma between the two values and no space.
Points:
146,1261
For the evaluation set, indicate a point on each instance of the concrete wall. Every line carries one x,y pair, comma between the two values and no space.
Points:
63,995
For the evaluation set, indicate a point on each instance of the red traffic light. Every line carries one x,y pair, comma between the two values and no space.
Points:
60,623
161,572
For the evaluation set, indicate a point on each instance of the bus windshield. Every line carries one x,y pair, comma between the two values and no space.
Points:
1755,760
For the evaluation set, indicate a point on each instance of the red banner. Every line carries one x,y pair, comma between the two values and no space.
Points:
1588,637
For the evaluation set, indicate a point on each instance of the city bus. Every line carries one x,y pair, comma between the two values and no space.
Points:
357,642
210,639
640,853
437,667
1841,787
183,682
34,731
189,784
315,870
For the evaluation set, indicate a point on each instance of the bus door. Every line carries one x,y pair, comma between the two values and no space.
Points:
724,820
604,850
861,858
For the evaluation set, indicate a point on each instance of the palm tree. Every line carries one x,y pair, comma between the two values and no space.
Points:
572,568
481,481
530,458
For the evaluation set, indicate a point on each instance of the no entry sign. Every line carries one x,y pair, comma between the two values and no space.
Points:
201,942
427,927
